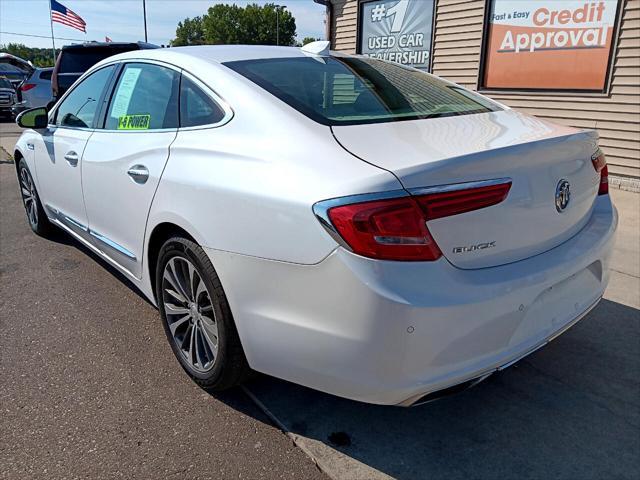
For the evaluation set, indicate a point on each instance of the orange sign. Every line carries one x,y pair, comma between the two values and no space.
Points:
549,44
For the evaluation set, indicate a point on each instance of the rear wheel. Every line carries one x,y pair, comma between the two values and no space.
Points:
196,316
36,215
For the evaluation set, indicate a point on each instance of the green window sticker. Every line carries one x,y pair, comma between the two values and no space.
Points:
134,122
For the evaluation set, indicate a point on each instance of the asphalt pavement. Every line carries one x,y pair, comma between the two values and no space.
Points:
89,388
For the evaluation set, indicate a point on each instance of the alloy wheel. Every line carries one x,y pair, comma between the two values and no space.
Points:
29,196
189,313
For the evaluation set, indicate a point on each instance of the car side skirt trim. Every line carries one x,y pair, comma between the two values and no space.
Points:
110,243
69,221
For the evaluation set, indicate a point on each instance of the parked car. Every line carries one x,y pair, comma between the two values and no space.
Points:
35,90
76,59
14,69
342,222
8,97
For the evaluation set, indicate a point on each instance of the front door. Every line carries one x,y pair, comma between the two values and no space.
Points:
123,162
59,154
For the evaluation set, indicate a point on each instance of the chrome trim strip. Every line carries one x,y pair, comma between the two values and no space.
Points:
112,244
74,223
321,209
453,187
93,248
66,221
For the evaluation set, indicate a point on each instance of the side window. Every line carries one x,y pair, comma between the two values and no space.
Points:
45,75
196,107
145,98
81,105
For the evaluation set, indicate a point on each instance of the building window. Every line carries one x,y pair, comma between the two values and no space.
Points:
560,45
400,31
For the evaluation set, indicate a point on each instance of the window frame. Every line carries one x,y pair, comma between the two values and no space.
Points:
122,64
222,104
604,93
54,112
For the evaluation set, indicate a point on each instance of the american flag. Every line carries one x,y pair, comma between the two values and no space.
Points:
61,14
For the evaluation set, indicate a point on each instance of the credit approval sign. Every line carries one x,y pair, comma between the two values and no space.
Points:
397,30
549,44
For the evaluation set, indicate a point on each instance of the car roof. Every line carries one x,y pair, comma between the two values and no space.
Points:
79,46
216,53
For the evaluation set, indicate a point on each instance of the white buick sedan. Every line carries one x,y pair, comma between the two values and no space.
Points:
345,223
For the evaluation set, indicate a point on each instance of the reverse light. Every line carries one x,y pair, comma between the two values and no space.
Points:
600,164
396,228
25,87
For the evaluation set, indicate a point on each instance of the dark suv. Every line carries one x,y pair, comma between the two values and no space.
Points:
76,59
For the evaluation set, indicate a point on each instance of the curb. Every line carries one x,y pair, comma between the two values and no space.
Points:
294,438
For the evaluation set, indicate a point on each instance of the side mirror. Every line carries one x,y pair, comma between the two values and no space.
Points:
35,118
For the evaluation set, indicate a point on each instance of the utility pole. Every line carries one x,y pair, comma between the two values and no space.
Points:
278,7
144,14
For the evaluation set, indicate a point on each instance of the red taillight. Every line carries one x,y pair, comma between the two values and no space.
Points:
27,86
445,204
396,229
393,229
600,164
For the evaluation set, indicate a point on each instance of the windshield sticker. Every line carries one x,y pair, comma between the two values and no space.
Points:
125,90
134,122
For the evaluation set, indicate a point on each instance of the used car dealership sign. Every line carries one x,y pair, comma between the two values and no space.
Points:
398,31
553,44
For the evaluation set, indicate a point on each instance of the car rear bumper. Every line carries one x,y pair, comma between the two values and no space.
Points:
392,332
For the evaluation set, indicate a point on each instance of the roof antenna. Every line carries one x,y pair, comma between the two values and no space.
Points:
320,47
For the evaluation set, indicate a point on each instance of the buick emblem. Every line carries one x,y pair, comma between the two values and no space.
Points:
563,195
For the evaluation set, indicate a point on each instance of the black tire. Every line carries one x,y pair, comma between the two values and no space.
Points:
229,367
36,216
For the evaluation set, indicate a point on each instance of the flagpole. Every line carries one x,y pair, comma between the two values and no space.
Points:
144,13
53,41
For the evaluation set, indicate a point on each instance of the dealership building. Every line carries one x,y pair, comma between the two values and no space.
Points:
574,62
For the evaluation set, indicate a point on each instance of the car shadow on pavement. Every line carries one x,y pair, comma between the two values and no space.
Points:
63,238
570,410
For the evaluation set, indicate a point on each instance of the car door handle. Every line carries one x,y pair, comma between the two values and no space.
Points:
139,173
72,158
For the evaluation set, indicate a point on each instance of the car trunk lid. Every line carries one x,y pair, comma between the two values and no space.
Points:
536,156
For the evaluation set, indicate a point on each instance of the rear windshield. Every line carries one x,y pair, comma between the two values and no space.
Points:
45,74
350,90
79,60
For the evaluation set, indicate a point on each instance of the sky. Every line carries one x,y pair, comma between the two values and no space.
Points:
122,20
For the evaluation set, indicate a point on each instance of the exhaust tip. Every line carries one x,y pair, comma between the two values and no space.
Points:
450,391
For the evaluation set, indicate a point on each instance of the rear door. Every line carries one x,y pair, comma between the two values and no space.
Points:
124,160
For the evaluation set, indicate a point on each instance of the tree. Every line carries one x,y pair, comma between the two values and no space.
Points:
231,24
306,40
223,25
189,32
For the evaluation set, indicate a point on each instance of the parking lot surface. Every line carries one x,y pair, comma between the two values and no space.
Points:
89,389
